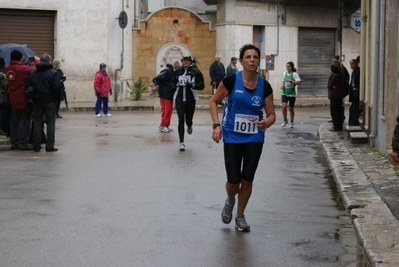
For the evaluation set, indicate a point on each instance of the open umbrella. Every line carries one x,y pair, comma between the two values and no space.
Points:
6,49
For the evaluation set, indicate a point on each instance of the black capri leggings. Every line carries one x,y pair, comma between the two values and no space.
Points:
241,161
185,112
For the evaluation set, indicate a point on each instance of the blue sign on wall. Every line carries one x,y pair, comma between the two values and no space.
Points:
356,20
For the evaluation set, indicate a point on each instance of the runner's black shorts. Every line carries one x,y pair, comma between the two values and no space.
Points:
241,161
288,99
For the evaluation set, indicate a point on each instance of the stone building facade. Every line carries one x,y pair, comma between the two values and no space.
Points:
168,34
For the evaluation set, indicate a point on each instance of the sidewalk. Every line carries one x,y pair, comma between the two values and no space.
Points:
369,187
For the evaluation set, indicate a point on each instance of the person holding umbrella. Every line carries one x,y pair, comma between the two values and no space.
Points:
17,73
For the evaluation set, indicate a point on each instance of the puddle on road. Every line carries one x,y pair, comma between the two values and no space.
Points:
345,234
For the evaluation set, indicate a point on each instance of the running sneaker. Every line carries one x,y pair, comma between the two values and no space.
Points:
182,147
163,129
291,125
97,115
108,115
227,213
189,129
284,123
241,224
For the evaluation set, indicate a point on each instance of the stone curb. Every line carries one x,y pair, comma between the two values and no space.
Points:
376,228
157,107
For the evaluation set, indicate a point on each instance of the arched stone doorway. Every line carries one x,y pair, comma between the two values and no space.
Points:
170,53
167,34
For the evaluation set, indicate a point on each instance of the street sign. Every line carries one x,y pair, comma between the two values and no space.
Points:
356,20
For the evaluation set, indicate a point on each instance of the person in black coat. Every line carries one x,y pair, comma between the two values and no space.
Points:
164,83
47,90
217,73
354,94
57,65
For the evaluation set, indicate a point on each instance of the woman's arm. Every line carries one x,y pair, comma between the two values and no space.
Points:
270,114
220,93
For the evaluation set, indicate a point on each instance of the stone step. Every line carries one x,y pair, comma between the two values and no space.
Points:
353,128
359,138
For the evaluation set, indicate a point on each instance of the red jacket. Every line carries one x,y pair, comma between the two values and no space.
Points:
17,73
102,82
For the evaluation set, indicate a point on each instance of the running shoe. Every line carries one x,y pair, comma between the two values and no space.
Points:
163,129
182,147
291,125
189,129
284,123
108,115
227,213
241,224
98,115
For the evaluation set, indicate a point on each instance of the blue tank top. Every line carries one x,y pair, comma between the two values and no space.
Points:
243,109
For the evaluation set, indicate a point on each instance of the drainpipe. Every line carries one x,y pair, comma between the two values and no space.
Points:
278,29
123,50
374,125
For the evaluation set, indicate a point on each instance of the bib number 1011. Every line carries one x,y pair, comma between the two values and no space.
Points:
246,124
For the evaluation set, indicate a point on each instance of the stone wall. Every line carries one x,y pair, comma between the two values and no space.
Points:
177,26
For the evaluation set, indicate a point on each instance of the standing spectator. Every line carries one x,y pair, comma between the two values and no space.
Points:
47,89
103,89
189,79
232,67
346,76
56,66
354,94
394,155
164,82
217,73
335,94
243,127
30,61
17,73
288,95
3,101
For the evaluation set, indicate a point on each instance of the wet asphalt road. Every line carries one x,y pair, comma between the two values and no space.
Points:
118,193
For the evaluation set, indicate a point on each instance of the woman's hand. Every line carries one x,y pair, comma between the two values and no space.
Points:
217,134
262,125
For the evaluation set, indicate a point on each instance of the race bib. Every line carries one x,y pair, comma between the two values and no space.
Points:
288,85
183,80
246,124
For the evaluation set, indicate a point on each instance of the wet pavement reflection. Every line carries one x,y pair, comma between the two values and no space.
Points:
119,193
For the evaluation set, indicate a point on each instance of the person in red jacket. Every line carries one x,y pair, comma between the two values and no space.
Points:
102,89
17,73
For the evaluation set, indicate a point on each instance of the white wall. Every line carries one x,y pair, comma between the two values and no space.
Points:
86,34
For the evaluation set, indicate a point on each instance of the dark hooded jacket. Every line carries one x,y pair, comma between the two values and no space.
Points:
395,138
164,80
46,84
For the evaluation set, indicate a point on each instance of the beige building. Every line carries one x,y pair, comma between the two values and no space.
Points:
82,35
379,70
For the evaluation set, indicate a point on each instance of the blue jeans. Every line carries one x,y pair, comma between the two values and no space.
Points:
20,126
104,102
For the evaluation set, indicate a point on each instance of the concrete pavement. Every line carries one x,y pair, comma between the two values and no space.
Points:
369,188
368,184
